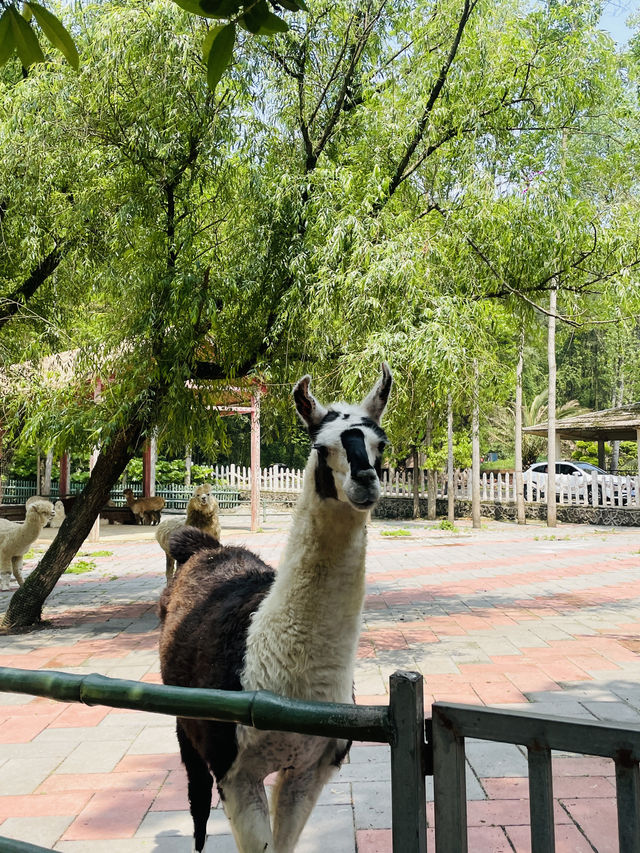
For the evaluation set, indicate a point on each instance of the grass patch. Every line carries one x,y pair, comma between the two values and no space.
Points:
99,554
80,567
445,524
400,531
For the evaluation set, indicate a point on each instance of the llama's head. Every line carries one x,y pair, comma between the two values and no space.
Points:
348,442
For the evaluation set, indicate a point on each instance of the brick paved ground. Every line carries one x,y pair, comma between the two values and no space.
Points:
502,616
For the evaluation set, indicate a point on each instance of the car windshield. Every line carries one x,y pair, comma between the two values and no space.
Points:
587,466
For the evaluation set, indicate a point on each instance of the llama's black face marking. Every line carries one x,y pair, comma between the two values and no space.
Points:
325,484
349,442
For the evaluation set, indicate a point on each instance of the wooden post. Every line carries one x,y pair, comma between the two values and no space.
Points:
601,455
475,448
149,458
255,460
416,481
551,421
65,475
522,518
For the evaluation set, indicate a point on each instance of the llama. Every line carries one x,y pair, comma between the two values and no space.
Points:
16,539
58,507
146,510
202,512
230,622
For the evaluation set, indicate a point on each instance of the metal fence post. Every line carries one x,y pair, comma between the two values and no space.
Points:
408,795
449,785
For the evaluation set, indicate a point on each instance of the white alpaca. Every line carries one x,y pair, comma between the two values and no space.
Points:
202,512
58,507
16,539
230,622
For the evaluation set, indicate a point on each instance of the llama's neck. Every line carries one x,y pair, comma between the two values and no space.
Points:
310,621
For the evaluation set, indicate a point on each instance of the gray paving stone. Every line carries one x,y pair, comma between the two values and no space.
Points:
329,828
91,757
23,775
619,712
155,739
161,844
492,760
372,804
165,823
36,830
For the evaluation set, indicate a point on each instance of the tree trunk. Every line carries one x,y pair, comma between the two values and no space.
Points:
187,465
416,481
475,449
618,396
522,519
46,479
431,474
451,512
551,431
25,607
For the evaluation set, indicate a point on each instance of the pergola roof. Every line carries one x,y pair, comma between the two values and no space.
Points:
620,424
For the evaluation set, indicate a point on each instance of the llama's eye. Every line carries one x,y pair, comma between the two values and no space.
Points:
381,447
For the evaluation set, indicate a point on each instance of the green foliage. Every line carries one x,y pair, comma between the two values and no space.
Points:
445,524
436,457
400,531
80,567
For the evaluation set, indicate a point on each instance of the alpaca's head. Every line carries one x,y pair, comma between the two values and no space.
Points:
202,503
202,489
43,511
348,442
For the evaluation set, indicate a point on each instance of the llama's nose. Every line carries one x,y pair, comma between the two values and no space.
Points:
366,476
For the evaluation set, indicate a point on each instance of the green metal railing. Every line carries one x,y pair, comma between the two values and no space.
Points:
400,724
450,725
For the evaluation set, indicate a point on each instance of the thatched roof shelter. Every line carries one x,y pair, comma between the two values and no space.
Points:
619,424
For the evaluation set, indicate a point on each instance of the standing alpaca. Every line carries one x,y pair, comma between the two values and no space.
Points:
146,510
230,622
58,507
16,539
202,512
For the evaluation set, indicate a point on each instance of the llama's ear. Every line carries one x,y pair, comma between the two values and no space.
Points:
310,410
375,402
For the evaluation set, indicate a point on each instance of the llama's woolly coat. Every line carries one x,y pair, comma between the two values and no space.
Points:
16,539
208,608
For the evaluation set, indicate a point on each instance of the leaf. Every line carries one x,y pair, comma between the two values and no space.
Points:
7,41
26,12
210,8
56,33
220,51
294,5
25,39
260,21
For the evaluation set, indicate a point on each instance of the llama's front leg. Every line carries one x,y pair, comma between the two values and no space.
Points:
169,568
293,799
200,784
245,804
5,573
17,569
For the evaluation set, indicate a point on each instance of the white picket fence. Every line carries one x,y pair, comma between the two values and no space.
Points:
230,480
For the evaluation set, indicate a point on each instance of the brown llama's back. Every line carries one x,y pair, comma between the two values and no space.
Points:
205,616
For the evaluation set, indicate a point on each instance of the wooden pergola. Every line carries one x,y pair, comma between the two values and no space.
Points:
619,424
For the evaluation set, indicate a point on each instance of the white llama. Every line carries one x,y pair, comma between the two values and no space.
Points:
16,539
230,622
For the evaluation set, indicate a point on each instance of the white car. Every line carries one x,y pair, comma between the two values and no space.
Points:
611,488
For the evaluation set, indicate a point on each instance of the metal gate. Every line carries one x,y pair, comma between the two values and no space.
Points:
419,747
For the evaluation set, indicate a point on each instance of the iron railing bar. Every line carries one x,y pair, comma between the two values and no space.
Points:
541,800
628,805
260,709
605,739
449,785
408,794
